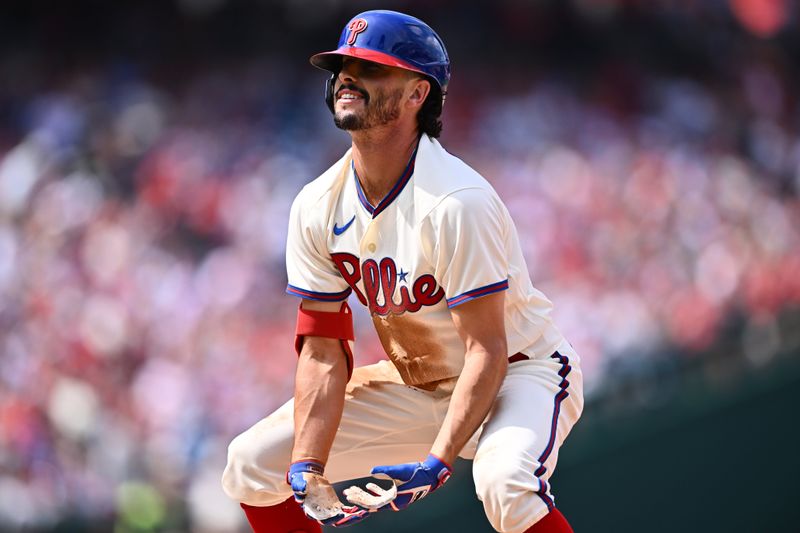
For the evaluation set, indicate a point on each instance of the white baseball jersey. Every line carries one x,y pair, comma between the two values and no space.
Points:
440,237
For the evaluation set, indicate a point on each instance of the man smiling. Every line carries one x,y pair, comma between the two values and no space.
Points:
475,367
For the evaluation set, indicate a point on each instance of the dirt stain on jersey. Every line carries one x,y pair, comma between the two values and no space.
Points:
414,350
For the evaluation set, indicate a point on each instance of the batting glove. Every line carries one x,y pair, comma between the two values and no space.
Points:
413,481
317,497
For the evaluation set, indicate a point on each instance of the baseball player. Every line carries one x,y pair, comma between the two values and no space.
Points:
475,366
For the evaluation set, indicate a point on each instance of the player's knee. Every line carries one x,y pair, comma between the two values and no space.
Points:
233,477
495,474
508,490
248,479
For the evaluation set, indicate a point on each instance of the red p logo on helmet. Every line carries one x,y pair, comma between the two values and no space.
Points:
355,27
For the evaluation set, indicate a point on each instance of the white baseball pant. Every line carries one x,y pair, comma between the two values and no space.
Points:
387,422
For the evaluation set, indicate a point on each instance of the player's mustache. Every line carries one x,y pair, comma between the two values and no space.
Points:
351,87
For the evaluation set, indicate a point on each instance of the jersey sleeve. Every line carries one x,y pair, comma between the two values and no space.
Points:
466,235
310,271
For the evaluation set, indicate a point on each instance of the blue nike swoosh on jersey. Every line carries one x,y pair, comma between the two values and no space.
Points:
338,231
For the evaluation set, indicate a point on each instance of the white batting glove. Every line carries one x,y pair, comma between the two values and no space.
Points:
317,497
412,482
372,496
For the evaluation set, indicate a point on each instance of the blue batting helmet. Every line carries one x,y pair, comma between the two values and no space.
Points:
393,39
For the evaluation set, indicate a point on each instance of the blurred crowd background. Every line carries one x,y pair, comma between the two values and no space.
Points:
649,152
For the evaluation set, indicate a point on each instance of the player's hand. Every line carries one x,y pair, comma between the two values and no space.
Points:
317,497
413,481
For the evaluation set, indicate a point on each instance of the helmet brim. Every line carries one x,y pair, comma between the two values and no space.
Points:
332,61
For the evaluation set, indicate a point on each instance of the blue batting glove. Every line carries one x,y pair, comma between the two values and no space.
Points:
317,497
415,480
298,481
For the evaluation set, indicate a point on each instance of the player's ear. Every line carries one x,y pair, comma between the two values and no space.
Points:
420,89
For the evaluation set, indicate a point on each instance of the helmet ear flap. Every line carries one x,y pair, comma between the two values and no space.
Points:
329,91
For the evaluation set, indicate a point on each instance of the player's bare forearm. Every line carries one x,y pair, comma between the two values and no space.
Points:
472,398
481,325
318,398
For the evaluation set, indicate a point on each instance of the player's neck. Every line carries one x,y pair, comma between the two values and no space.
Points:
380,158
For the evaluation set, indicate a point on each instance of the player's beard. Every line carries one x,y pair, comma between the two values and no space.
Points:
379,110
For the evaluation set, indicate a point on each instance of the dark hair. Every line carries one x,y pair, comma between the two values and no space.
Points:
428,116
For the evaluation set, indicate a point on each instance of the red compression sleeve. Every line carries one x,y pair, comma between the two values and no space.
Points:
329,325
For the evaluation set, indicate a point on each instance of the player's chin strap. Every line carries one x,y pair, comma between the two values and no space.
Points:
337,325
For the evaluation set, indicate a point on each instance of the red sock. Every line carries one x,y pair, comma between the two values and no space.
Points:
286,517
553,522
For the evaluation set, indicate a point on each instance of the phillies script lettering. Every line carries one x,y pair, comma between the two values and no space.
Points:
381,278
